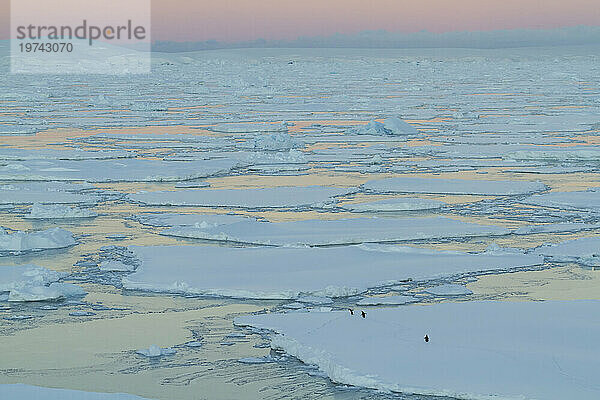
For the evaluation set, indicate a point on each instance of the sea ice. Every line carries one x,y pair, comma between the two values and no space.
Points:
240,127
202,220
293,273
453,186
555,228
122,170
584,200
22,194
397,204
45,293
114,265
477,350
155,351
585,251
22,276
391,126
342,231
58,211
23,242
276,197
19,391
386,300
448,290
276,142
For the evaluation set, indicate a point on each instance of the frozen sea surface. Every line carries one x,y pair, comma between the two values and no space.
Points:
477,350
290,273
336,232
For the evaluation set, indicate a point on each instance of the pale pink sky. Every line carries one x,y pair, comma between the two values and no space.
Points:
236,20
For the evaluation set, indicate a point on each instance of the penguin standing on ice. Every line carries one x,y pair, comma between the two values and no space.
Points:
351,311
363,314
426,339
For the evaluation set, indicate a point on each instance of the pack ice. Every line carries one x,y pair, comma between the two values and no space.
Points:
398,204
43,194
33,283
453,186
22,242
391,126
122,170
292,273
585,251
477,350
342,231
277,197
581,200
58,211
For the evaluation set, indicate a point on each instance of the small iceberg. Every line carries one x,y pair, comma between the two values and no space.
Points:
155,351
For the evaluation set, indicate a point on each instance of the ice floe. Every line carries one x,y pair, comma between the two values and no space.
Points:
115,266
341,231
387,300
276,142
277,197
448,290
54,291
453,186
58,211
555,228
15,277
123,170
22,242
504,350
390,126
30,194
241,127
25,283
582,200
584,251
293,273
202,220
391,205
155,351
19,391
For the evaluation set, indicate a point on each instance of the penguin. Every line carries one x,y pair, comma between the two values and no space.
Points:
363,314
351,311
426,339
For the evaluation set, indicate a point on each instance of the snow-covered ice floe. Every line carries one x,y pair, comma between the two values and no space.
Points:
477,350
585,251
122,170
33,283
23,242
276,197
398,204
448,290
19,391
387,301
555,228
202,220
453,186
293,273
583,200
342,231
45,194
391,127
58,211
155,351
